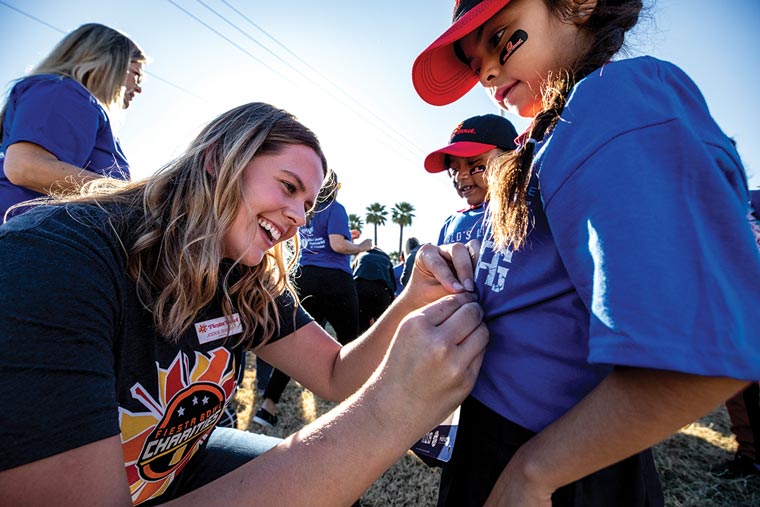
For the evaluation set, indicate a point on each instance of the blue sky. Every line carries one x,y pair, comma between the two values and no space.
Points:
343,67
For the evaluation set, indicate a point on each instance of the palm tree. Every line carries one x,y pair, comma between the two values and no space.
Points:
403,212
376,214
355,222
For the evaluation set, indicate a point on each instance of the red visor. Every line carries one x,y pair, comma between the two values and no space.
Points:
438,75
436,161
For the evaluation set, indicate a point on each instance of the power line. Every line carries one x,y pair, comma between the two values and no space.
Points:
262,46
394,139
420,152
178,87
220,34
38,20
414,161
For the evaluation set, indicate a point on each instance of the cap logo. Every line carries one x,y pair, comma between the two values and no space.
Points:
456,129
459,130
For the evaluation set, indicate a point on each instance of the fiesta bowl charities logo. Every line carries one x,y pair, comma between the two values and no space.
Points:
188,416
158,443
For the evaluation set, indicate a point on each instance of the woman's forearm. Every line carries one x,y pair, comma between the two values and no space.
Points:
358,359
344,246
334,459
31,166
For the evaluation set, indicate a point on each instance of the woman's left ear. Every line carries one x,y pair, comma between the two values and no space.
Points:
208,162
582,10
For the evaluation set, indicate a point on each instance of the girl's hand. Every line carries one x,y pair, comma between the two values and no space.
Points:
515,489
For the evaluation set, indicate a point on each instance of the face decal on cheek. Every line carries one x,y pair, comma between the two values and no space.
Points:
514,42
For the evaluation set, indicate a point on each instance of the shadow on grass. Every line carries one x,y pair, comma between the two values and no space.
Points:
683,460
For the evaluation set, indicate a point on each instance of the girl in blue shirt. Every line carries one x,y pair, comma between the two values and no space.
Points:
618,276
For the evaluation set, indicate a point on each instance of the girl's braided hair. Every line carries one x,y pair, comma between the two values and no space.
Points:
510,174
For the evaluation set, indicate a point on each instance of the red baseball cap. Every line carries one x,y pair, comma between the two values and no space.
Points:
473,137
439,76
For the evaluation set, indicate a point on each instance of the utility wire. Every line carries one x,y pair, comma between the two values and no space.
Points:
178,87
419,152
151,74
220,34
248,53
414,161
38,20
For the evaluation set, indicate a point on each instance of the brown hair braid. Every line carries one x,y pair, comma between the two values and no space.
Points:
510,174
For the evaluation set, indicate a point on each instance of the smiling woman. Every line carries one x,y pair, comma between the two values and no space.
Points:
278,190
136,336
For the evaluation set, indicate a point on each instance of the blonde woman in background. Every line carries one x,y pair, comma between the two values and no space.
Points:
55,125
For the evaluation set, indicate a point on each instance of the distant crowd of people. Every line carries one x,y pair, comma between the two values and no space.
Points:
598,291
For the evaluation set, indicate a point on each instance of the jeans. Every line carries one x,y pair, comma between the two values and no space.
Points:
226,450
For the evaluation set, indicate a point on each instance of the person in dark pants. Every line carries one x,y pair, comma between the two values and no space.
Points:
744,412
375,285
411,247
324,282
744,407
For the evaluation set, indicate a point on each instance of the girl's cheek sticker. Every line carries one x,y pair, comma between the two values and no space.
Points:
514,42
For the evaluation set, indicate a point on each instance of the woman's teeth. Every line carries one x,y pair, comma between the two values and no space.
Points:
271,229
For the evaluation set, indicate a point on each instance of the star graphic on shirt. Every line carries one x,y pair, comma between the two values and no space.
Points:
205,400
195,400
181,412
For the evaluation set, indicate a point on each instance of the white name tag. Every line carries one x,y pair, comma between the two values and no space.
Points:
216,329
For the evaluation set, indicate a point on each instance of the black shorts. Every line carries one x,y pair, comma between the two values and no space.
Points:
486,442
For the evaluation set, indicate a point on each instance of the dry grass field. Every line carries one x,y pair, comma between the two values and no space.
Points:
683,460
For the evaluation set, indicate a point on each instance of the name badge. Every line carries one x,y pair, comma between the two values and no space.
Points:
438,443
216,329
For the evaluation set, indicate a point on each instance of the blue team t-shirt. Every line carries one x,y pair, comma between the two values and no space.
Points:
640,252
464,225
398,270
63,117
315,238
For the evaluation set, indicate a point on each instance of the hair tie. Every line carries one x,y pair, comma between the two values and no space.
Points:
530,140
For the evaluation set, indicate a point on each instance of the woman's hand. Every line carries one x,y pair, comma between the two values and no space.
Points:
433,360
441,270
